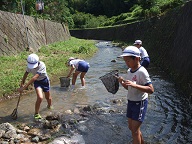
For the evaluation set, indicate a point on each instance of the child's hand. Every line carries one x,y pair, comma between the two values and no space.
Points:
120,79
20,89
130,83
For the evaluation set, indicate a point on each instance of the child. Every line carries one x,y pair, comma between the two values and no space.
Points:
40,80
144,55
80,66
138,85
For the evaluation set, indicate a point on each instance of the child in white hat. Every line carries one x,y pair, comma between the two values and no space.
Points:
139,86
40,80
145,60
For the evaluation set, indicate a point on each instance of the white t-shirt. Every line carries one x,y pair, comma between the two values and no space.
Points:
141,77
41,70
143,52
75,62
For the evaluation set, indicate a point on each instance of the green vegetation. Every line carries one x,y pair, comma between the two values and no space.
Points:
54,55
93,13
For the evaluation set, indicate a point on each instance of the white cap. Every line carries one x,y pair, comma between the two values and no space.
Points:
32,61
71,58
138,42
131,51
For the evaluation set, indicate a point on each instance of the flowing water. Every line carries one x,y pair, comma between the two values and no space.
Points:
168,119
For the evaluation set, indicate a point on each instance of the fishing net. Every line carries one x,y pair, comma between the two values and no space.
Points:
110,81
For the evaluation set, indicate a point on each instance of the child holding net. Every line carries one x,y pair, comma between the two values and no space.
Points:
139,85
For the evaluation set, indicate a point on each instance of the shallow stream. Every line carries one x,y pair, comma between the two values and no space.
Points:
168,119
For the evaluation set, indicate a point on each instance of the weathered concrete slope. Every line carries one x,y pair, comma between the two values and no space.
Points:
168,40
17,33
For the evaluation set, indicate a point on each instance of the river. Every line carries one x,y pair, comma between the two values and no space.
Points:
168,119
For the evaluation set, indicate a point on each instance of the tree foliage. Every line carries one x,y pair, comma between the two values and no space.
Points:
92,13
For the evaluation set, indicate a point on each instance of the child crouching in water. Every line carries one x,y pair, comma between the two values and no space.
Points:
80,67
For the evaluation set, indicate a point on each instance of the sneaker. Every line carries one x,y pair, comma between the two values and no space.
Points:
37,116
49,107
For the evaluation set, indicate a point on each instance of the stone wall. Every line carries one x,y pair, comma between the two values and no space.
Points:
18,33
168,40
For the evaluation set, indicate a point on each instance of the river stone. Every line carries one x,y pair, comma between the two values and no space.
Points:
2,132
10,131
35,139
75,139
76,111
68,112
35,132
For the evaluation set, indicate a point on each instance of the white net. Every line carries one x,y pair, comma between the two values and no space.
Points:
110,81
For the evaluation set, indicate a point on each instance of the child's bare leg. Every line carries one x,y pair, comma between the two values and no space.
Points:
74,77
134,126
82,78
48,98
39,99
142,140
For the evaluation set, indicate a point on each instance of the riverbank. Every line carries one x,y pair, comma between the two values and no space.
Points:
55,57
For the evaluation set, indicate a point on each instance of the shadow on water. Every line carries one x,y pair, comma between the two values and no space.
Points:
168,119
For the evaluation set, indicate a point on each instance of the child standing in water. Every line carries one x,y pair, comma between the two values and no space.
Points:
81,67
40,80
139,85
145,60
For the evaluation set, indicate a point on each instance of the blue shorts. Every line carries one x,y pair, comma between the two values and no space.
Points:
44,84
145,62
136,110
83,66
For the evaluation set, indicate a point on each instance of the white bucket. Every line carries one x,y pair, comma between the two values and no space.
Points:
64,81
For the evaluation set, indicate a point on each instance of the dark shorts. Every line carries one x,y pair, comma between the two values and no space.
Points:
44,84
145,62
83,66
136,110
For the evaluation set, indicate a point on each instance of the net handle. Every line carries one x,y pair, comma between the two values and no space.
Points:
118,77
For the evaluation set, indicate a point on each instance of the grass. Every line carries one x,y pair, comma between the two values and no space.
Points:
55,57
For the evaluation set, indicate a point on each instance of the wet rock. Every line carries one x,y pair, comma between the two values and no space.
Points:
2,132
9,131
21,131
87,108
51,124
76,111
4,142
68,112
35,132
75,139
114,60
45,137
26,128
52,117
66,125
35,139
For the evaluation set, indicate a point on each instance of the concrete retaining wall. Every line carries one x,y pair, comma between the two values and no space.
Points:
15,38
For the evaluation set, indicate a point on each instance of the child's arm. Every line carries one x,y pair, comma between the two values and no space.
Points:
23,87
24,78
148,88
71,71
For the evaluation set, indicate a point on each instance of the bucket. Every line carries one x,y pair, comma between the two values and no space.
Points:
64,81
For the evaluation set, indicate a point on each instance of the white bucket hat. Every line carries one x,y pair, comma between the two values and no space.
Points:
32,61
71,58
131,51
138,42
